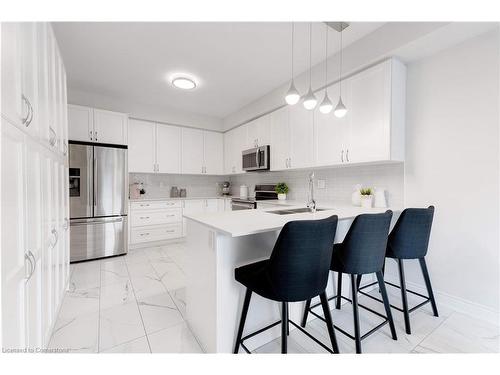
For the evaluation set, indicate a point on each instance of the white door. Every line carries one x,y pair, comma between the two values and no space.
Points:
142,146
213,149
13,108
370,114
301,137
13,238
192,151
110,127
80,123
168,148
280,139
331,133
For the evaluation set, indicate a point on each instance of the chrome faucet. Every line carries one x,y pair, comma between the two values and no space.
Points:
311,203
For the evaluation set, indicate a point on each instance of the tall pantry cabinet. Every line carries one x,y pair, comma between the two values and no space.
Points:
34,183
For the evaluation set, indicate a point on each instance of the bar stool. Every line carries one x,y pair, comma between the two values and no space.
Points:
362,252
410,240
296,271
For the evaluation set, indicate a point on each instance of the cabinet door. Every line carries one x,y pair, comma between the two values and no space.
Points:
239,143
370,114
213,148
228,152
34,317
142,146
191,206
168,148
13,109
280,144
80,123
330,134
43,81
211,205
259,132
301,137
13,237
110,127
192,151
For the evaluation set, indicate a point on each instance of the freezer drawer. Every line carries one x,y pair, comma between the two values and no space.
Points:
97,238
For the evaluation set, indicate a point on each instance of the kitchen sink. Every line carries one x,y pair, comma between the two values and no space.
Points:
294,211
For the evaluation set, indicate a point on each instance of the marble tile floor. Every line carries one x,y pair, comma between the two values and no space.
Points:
136,304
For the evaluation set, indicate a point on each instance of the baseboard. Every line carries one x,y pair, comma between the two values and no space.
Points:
455,303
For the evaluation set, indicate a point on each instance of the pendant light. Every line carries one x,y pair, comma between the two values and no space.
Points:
292,96
326,105
340,109
310,100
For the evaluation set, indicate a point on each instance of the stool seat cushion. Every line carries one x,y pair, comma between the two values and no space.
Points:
255,277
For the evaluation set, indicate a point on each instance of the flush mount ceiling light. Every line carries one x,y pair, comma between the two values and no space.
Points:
183,82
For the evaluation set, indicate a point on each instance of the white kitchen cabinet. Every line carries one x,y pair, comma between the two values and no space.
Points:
259,132
211,205
213,152
88,124
142,146
331,134
168,148
301,137
280,139
202,152
110,127
34,185
237,139
192,151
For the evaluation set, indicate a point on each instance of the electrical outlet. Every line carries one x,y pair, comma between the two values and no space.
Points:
321,184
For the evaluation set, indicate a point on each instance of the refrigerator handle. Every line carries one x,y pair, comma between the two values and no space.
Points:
95,182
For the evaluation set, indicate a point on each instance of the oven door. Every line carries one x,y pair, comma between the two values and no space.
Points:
256,159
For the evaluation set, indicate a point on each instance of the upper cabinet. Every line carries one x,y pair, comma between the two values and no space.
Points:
258,132
168,148
202,152
235,141
142,146
97,125
280,139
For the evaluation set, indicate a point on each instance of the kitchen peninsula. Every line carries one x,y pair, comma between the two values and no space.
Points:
217,243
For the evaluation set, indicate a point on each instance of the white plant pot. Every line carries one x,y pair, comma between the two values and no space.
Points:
281,197
366,201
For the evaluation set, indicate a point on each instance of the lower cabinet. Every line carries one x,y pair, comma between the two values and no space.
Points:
156,221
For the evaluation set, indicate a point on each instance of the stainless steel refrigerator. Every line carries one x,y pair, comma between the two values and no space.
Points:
98,200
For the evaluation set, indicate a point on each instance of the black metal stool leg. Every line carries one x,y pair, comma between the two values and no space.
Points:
339,290
383,291
287,322
244,312
358,280
306,312
329,322
427,279
355,312
404,296
284,325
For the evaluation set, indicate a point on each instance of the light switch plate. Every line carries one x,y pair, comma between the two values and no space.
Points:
321,184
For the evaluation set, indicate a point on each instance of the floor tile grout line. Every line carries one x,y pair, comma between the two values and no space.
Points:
138,308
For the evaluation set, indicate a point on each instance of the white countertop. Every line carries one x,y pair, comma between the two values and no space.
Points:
178,198
247,222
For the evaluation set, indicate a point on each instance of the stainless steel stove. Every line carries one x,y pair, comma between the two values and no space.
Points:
262,192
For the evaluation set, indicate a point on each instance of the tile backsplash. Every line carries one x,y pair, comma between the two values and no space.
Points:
339,182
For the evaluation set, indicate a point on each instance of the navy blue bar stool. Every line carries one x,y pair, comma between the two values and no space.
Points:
410,240
296,271
362,252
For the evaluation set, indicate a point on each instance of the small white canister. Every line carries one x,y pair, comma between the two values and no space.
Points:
243,192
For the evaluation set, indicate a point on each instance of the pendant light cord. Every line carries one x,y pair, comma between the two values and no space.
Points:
326,60
310,52
293,27
340,71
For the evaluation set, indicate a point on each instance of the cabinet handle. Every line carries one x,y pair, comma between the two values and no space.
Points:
65,145
170,231
347,155
145,205
66,223
28,258
56,236
52,141
342,156
26,121
144,217
289,162
95,135
143,234
90,133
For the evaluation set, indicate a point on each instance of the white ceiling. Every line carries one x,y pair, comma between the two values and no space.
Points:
236,63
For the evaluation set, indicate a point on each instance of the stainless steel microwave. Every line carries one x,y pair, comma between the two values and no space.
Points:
256,159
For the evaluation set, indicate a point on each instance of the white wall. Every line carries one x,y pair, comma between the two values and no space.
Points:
452,162
144,111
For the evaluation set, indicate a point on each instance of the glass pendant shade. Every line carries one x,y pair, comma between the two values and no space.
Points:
340,109
310,100
292,96
326,105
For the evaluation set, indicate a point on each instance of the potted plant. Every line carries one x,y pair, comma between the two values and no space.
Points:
366,197
282,190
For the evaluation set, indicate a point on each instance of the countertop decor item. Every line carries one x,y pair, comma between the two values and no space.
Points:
356,196
282,190
226,188
243,191
183,193
366,197
174,192
380,200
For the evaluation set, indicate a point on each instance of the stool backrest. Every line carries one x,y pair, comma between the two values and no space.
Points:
410,237
363,249
300,261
